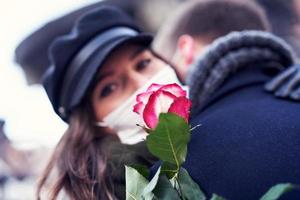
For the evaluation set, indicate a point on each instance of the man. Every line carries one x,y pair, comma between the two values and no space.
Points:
249,140
197,23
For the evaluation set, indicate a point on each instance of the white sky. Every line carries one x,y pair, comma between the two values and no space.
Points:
28,114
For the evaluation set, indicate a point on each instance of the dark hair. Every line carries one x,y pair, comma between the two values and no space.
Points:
80,160
210,19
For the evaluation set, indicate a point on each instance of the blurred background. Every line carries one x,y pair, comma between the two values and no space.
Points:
29,129
30,122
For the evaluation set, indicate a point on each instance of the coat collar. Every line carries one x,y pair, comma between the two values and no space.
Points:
241,79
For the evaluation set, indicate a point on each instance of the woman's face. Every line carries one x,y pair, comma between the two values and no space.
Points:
124,71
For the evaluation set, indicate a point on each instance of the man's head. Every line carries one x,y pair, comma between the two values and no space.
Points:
197,23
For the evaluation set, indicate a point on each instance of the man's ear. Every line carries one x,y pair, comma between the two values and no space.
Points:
186,47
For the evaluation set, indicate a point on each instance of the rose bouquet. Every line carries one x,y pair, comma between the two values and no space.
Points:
165,110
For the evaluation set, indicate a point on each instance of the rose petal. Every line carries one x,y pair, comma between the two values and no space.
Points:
143,97
181,106
138,108
153,87
174,89
159,102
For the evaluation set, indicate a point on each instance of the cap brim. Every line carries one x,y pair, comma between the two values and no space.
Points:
143,39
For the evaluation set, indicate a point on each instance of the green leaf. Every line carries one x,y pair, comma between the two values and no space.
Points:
135,184
216,197
189,188
149,188
164,190
276,191
143,170
169,140
169,169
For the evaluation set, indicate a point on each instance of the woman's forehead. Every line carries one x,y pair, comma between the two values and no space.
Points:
126,54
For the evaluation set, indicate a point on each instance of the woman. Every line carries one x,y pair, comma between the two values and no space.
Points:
97,69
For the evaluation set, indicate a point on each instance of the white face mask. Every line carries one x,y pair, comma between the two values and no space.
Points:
123,120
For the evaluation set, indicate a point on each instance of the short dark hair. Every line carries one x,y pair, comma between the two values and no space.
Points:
210,19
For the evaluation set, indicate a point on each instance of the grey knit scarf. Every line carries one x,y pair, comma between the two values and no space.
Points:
231,53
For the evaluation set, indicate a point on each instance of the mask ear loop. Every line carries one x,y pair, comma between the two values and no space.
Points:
101,124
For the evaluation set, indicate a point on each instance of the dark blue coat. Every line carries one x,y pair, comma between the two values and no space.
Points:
248,140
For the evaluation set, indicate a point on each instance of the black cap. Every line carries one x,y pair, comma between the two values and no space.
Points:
78,56
32,53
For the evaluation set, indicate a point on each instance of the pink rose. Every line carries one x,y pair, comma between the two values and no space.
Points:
170,98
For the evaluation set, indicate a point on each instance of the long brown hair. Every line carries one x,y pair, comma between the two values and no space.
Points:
79,161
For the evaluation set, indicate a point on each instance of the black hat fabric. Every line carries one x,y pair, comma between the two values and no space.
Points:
32,53
77,57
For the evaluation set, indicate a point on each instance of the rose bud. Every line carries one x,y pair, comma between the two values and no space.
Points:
170,98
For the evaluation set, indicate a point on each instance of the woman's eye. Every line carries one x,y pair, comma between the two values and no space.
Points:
143,64
108,90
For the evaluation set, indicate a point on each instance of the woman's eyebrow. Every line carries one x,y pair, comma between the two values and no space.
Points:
136,52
